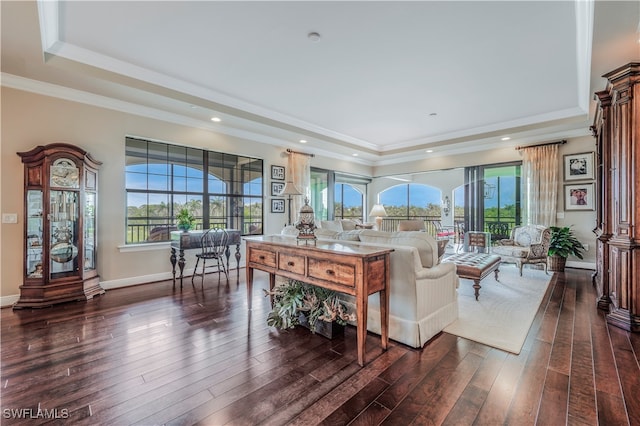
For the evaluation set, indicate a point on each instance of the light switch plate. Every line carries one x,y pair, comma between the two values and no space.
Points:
9,217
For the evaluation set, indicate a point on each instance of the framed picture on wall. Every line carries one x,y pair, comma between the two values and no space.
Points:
579,196
276,188
578,166
277,172
277,205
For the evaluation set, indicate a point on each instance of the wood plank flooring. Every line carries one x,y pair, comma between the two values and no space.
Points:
154,355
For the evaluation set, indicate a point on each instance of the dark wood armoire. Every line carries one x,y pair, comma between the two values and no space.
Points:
617,132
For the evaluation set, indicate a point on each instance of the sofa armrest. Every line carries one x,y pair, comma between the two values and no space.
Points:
436,272
505,242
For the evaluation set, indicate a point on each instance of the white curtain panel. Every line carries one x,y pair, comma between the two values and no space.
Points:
540,170
299,166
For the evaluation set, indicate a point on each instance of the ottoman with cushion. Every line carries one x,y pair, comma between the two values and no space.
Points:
475,266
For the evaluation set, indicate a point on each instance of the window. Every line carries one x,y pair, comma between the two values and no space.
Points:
348,202
411,201
337,195
220,190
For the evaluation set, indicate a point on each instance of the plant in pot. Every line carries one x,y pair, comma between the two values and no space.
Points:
185,220
297,303
563,243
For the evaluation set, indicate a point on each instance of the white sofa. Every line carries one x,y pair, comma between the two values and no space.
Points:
423,296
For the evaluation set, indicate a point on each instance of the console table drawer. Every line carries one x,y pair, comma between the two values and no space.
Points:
262,257
330,270
291,263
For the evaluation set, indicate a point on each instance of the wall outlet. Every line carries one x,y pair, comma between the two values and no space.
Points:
9,217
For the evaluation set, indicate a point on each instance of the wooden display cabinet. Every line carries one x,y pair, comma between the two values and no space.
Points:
60,239
617,128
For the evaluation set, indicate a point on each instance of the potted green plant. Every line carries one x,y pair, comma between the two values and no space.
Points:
299,303
185,220
563,243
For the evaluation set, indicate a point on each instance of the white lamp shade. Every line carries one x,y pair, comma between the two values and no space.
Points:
378,210
290,189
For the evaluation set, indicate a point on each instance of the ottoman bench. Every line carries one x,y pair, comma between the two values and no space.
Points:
475,266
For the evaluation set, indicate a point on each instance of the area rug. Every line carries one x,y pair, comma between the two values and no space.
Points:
502,315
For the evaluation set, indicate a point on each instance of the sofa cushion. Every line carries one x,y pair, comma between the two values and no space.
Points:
348,224
423,242
349,235
512,251
325,233
331,225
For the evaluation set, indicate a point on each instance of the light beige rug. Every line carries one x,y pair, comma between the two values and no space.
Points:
503,314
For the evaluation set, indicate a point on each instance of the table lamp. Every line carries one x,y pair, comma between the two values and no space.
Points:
290,190
378,211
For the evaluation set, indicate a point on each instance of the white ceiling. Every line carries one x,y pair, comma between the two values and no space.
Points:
370,85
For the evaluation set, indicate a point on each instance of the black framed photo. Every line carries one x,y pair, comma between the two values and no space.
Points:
579,196
277,205
578,166
276,188
277,172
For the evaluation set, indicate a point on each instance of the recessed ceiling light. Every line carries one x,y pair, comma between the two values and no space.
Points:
506,138
355,154
216,119
303,141
429,151
314,36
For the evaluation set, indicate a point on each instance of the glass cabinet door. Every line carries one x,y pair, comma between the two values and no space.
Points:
63,232
34,234
90,231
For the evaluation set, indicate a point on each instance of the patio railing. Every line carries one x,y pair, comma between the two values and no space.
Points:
159,230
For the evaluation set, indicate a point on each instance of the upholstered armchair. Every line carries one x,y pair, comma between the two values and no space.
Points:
528,244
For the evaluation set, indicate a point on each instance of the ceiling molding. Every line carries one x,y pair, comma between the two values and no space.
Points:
75,95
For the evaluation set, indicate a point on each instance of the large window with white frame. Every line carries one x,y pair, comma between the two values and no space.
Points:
219,189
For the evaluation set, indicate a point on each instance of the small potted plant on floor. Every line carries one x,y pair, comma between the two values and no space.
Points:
563,243
299,303
185,220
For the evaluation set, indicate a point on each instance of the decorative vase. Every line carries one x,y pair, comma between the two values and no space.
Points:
556,263
184,227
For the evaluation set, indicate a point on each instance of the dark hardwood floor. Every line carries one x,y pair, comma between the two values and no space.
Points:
153,355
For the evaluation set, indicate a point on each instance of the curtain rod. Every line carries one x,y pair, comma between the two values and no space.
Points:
290,151
562,142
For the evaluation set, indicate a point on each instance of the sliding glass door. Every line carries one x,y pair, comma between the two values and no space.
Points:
492,198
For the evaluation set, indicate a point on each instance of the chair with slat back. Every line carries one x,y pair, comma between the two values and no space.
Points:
213,244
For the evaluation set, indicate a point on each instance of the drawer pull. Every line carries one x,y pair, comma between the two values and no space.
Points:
261,257
330,272
290,263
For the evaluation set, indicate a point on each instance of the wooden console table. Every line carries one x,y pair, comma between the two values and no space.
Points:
182,241
351,269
